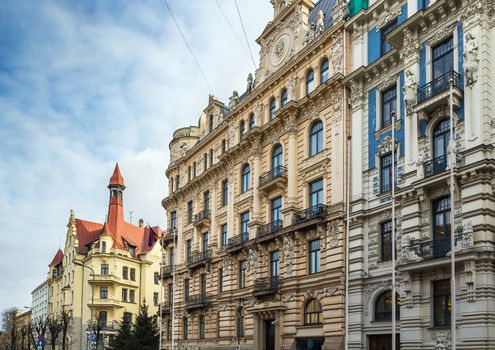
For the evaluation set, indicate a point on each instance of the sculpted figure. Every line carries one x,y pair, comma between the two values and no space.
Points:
410,90
471,60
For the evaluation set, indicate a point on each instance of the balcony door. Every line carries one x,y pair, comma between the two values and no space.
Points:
383,342
441,139
202,286
205,242
274,263
441,226
276,209
442,66
277,157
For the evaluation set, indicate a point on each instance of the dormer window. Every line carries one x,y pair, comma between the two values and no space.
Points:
211,123
103,247
132,250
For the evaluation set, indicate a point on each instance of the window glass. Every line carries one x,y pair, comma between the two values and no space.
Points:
316,138
284,97
273,108
224,235
442,58
389,106
103,292
277,157
385,45
274,263
312,312
386,243
383,307
314,256
251,121
386,173
310,81
246,178
225,192
242,130
242,273
316,193
324,71
276,209
441,303
104,269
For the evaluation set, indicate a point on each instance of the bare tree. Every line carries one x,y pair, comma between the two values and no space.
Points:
24,337
9,325
38,330
65,319
54,326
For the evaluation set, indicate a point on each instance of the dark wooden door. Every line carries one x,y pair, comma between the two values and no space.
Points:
269,335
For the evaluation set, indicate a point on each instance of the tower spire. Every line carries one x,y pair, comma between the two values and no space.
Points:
116,205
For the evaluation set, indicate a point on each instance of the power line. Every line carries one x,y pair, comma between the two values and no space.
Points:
188,47
231,27
245,35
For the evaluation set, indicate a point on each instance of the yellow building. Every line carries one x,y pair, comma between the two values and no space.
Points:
105,270
256,200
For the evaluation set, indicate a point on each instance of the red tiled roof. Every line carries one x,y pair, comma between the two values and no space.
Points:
117,178
58,258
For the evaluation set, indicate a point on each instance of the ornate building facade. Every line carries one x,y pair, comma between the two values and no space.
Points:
105,271
256,199
405,58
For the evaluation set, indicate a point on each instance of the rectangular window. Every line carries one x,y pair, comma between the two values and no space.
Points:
442,59
224,234
189,212
188,248
133,274
157,278
125,273
171,256
132,296
441,226
274,263
386,173
128,316
242,273
185,328
316,193
220,280
385,45
276,209
314,256
205,241
173,220
104,269
202,284
155,298
205,162
441,303
186,289
206,200
211,157
170,293
124,294
103,292
225,192
386,240
189,173
389,106
245,224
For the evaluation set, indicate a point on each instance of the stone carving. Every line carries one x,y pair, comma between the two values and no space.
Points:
406,282
410,46
234,99
466,234
183,149
344,10
337,53
332,236
442,340
471,60
288,245
410,90
226,265
291,88
332,291
232,130
288,297
291,125
388,82
253,262
470,272
386,146
440,35
387,18
280,49
372,287
257,114
315,28
357,96
250,83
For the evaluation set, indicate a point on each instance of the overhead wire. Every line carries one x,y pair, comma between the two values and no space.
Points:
245,35
231,27
188,46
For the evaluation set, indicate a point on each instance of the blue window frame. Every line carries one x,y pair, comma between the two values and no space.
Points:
324,71
389,105
443,58
310,81
246,178
251,121
277,157
316,193
284,97
316,138
224,234
314,256
385,45
273,108
386,173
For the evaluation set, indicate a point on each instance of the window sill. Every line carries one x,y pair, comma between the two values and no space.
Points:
439,328
380,132
307,326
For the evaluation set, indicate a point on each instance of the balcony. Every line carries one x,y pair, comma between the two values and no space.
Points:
311,215
166,308
202,218
198,259
168,270
236,243
437,91
273,179
413,251
266,286
270,228
170,236
435,166
197,301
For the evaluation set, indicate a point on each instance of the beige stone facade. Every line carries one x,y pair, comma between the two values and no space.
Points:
256,199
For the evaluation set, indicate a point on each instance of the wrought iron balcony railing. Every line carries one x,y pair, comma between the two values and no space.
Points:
265,283
438,85
276,172
199,257
318,211
435,166
202,215
435,248
197,300
271,227
239,239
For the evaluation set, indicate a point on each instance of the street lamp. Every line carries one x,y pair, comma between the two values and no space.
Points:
77,262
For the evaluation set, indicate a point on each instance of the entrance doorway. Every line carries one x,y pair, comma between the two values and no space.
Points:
269,335
383,342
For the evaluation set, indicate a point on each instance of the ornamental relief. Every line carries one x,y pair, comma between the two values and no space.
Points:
386,17
440,35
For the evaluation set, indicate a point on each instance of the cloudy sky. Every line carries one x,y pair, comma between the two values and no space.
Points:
86,83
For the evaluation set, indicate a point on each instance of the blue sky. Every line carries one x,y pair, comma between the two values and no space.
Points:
84,84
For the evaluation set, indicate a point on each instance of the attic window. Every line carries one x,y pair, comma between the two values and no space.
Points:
132,250
103,247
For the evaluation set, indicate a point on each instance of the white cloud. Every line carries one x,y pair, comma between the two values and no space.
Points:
84,85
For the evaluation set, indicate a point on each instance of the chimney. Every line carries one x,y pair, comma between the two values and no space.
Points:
141,223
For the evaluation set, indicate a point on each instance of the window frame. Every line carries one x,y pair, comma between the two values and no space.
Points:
273,108
104,269
314,257
277,156
386,164
324,70
242,130
310,81
313,313
388,106
201,327
251,121
284,97
242,274
385,46
223,234
318,192
445,298
386,230
245,178
385,313
225,192
190,212
103,292
316,138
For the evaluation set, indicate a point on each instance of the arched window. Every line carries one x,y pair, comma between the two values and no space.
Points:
324,73
246,178
242,130
277,157
251,121
201,327
185,328
441,140
272,108
240,323
316,138
310,81
284,97
312,312
383,307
